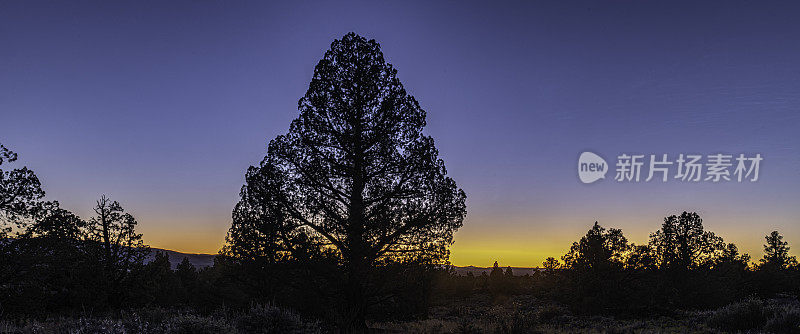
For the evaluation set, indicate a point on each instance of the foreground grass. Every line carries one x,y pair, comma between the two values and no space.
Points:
259,319
525,314
475,314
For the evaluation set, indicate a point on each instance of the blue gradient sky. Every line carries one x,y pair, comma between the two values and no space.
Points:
163,106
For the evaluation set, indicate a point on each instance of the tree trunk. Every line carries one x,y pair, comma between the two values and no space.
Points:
357,261
356,321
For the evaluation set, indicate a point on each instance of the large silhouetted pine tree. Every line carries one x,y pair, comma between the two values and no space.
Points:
355,174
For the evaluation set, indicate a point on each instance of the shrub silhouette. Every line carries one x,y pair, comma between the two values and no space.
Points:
745,315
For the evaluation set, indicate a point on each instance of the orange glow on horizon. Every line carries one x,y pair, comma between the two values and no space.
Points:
515,242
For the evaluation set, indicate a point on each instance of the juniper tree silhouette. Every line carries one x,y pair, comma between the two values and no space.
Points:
592,265
186,271
355,175
187,277
161,285
550,265
50,221
599,249
20,191
496,280
683,244
115,244
496,272
46,265
731,260
508,273
640,257
776,253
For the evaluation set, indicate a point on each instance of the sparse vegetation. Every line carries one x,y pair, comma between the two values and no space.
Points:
257,319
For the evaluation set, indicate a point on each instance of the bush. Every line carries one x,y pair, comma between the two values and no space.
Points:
192,324
745,315
465,327
270,319
548,313
786,320
63,325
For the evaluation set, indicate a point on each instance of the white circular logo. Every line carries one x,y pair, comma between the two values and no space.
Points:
591,167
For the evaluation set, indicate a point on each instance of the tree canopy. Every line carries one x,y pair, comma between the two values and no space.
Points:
598,249
682,242
776,253
20,190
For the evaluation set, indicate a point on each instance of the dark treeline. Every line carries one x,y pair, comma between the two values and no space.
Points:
682,267
54,262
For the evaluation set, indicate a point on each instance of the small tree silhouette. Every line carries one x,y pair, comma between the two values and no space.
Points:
497,272
731,260
118,247
161,285
550,265
599,249
776,253
509,273
186,271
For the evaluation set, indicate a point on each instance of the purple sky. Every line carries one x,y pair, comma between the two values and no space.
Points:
163,106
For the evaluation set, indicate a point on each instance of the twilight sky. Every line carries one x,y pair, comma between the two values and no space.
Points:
164,105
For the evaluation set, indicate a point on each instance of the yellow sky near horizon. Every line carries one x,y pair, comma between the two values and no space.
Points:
517,242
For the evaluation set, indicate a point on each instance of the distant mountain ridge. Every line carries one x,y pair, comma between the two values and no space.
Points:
199,261
207,260
477,271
